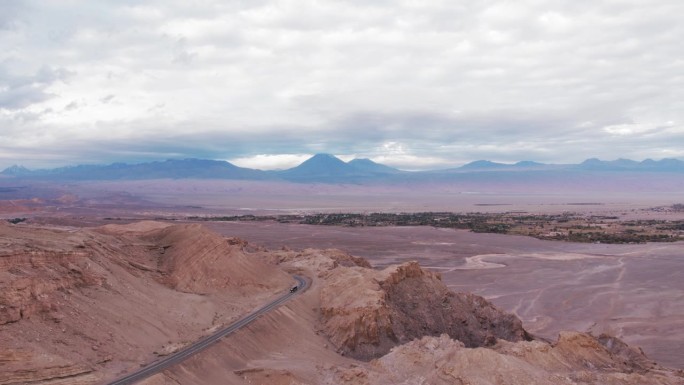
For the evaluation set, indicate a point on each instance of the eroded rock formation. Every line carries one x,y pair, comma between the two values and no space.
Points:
366,312
576,359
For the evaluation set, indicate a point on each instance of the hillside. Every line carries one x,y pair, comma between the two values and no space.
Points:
88,304
84,306
198,261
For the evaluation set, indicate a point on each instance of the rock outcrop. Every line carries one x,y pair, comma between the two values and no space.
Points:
29,280
576,359
318,261
366,312
23,367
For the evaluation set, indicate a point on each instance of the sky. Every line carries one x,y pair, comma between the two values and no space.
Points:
412,84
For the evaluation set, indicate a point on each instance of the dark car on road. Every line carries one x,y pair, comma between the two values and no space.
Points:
294,288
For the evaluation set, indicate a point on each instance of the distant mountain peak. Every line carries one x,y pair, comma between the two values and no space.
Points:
528,163
482,164
323,159
319,165
330,168
622,164
323,155
16,170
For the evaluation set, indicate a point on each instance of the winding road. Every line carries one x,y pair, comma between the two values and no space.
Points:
207,341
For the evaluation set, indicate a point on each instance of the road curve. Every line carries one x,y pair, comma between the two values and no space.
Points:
207,341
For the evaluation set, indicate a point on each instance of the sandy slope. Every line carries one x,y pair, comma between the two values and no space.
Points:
91,304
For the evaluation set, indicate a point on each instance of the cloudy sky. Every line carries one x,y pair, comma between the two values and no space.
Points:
414,84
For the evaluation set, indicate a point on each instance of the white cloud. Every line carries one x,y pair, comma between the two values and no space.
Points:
271,161
629,128
409,162
237,79
626,129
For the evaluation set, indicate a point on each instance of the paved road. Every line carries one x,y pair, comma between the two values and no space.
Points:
205,342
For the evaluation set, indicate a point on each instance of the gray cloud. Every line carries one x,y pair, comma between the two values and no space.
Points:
394,80
9,12
19,91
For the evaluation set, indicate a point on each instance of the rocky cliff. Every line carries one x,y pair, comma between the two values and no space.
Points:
367,312
29,280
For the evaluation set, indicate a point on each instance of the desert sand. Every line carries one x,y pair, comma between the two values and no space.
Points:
632,291
83,306
90,292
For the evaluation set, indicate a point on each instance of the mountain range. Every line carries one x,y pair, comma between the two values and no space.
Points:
327,168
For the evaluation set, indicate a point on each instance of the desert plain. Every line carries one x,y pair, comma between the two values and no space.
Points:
634,292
